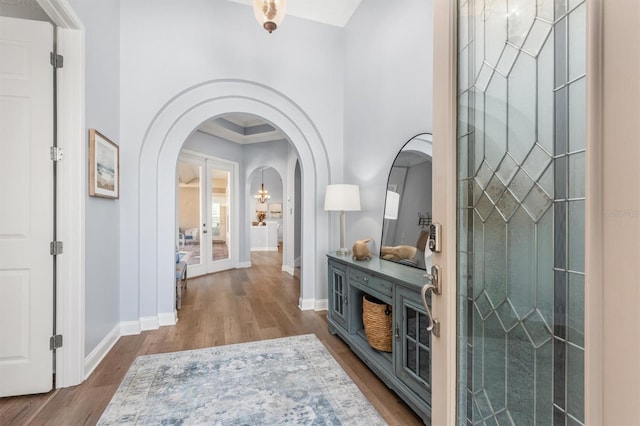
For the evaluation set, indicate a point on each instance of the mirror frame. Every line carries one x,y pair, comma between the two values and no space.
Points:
410,255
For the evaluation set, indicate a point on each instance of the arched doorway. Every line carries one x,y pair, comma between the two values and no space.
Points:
160,150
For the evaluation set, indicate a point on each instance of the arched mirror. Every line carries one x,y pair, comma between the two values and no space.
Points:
407,210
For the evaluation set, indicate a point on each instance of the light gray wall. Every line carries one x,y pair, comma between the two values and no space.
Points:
368,85
168,47
297,212
272,155
273,183
388,99
102,221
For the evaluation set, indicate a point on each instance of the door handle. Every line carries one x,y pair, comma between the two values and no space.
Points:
434,287
204,228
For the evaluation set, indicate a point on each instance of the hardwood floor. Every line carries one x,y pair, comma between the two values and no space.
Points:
235,306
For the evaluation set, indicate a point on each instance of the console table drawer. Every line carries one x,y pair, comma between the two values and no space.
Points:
383,286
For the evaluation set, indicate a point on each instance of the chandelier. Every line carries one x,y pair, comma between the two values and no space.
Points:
262,195
270,13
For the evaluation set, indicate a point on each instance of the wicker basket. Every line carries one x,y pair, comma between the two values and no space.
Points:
378,323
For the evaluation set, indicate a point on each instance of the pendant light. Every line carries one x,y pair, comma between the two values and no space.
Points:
270,13
262,195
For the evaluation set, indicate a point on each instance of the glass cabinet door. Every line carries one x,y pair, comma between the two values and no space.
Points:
413,342
338,296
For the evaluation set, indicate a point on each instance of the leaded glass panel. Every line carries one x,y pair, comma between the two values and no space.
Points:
521,165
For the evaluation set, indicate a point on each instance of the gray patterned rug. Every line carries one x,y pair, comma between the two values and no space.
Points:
292,380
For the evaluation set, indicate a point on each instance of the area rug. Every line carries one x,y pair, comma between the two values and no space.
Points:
292,380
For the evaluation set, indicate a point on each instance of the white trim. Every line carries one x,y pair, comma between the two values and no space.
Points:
101,350
321,305
149,323
155,187
263,249
170,318
130,328
62,14
594,365
288,269
307,304
443,349
242,265
70,360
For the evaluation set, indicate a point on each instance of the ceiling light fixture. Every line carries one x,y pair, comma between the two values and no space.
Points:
270,13
262,195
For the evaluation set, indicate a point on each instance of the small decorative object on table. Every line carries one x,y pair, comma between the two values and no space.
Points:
361,249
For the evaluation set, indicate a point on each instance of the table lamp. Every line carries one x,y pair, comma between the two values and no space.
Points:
342,197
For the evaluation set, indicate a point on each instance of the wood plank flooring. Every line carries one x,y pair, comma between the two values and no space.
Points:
235,306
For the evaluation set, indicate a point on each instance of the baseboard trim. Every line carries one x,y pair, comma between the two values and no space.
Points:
130,328
99,352
125,328
170,318
321,305
149,323
288,269
243,265
297,262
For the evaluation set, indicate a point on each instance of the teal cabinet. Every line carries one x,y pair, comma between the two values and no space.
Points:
407,368
413,354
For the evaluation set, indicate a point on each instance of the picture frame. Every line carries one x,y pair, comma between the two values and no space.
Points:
275,210
104,166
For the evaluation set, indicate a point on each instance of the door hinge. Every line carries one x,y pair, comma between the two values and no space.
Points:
56,60
55,342
56,247
57,153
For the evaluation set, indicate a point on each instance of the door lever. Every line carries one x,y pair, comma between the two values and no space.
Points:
434,287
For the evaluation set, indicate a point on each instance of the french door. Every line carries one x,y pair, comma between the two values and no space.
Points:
206,213
512,127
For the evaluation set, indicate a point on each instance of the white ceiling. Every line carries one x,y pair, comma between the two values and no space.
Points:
331,12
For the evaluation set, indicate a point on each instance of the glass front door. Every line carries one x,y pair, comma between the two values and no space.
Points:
521,163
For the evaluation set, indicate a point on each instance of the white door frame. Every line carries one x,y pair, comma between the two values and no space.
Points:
71,192
205,197
444,377
443,370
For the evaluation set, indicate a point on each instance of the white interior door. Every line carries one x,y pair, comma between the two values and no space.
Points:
26,206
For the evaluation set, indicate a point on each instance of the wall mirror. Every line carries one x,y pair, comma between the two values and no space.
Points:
407,209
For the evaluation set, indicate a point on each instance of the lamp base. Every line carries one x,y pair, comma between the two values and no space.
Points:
343,252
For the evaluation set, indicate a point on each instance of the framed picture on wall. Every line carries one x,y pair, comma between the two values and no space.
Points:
104,166
275,210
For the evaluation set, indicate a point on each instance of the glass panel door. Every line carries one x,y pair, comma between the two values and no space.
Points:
219,203
219,207
521,131
190,211
204,212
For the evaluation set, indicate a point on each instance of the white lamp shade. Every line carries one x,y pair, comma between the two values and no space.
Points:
392,205
270,11
342,197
